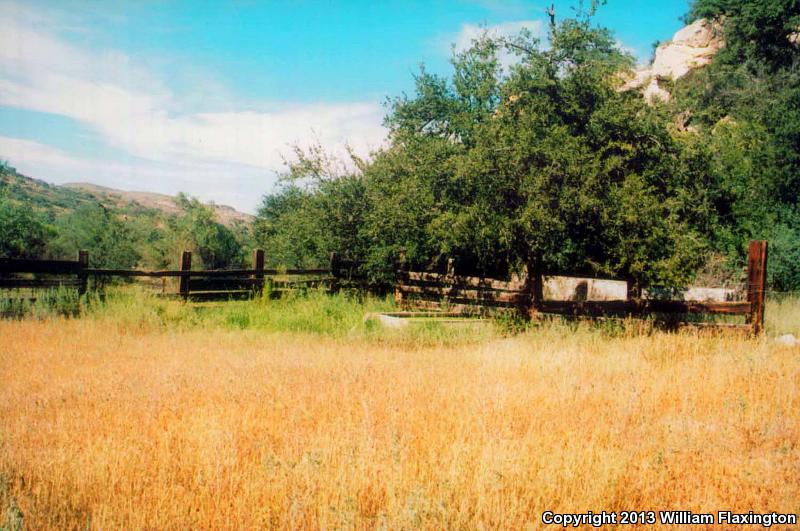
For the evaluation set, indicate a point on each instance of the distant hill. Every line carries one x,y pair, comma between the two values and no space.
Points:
56,200
40,195
226,215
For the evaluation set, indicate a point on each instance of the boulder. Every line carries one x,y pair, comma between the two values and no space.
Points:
691,47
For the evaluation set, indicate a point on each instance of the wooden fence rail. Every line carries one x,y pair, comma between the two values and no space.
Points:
427,290
58,273
194,284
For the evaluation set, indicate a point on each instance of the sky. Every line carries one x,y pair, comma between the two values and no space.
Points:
207,97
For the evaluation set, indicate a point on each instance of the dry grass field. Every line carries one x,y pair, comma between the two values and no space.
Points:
141,427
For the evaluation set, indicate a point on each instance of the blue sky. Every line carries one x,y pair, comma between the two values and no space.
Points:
206,97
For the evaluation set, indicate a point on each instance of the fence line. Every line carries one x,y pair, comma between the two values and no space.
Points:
205,284
427,291
418,289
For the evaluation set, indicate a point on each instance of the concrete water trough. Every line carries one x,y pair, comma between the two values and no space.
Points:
404,319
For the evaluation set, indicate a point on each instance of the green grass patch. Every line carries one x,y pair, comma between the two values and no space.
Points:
314,312
40,303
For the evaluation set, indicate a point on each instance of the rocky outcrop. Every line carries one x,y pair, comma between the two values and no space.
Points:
691,47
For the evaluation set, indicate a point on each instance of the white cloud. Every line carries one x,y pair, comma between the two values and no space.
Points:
472,32
637,55
111,93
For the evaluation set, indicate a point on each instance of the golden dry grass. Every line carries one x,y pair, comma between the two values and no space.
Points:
111,429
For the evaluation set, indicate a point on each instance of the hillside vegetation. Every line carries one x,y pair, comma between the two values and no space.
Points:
119,229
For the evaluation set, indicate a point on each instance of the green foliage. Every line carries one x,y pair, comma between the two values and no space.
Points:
215,244
320,209
746,109
547,164
784,256
93,228
24,233
288,226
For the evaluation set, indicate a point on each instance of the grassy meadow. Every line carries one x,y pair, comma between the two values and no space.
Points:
148,414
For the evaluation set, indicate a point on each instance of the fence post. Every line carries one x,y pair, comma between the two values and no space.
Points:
333,265
258,266
450,281
451,267
83,260
400,276
756,283
534,283
634,290
186,265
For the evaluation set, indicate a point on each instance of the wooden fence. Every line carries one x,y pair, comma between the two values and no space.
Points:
416,289
192,284
464,294
45,274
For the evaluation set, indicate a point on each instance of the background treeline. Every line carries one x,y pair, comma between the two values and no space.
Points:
38,220
549,163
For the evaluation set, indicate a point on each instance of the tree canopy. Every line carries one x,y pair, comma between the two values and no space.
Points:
547,164
23,233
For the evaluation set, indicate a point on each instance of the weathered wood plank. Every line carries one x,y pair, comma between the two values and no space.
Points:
756,283
219,295
223,284
463,309
475,282
729,308
258,265
303,283
102,272
466,294
638,307
715,326
204,273
53,267
83,260
39,283
669,325
186,265
458,302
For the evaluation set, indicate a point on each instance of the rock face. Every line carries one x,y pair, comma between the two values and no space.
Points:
691,47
